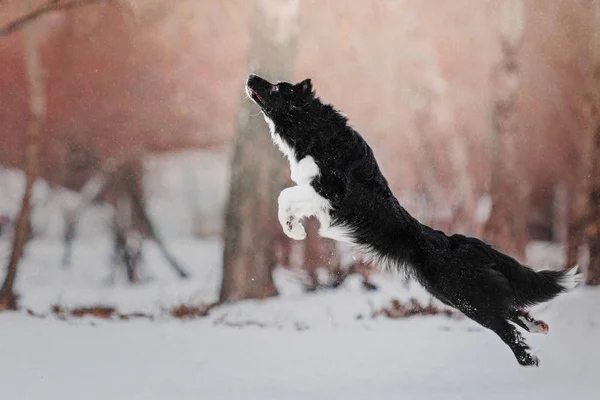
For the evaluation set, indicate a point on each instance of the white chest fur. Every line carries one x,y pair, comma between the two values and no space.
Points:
301,201
302,171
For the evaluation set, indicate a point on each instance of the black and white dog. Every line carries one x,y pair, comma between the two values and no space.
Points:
339,182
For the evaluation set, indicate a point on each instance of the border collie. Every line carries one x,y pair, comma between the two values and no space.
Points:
339,182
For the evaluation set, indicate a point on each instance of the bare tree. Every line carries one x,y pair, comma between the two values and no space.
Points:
37,112
90,192
506,227
257,167
560,213
121,184
433,189
593,158
583,212
454,210
463,215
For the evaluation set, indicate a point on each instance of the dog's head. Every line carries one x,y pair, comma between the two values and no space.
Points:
279,98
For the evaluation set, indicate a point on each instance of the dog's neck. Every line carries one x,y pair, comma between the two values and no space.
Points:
301,171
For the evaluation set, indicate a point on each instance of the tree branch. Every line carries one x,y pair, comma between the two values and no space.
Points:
50,6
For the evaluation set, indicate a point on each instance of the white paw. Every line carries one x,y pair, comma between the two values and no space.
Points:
285,220
288,217
297,232
291,226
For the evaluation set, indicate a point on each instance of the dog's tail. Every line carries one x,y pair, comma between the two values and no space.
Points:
533,287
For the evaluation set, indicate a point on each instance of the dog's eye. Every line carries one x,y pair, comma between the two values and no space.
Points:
275,89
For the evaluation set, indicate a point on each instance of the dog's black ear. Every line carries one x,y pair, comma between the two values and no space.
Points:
306,86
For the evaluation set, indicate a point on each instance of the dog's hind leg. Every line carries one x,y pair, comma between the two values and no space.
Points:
297,203
527,322
509,335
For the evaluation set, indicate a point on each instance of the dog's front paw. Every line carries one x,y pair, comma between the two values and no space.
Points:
287,218
291,226
296,231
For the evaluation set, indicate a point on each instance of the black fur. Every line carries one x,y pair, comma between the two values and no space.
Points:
463,272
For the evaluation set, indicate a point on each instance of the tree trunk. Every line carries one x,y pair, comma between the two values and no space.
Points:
433,190
584,213
257,167
37,111
593,227
560,213
506,227
463,217
577,216
318,253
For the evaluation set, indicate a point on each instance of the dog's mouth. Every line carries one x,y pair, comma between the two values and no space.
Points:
258,90
254,95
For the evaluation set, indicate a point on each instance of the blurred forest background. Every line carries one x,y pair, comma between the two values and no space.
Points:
127,119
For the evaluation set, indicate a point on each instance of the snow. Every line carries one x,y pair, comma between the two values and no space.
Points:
297,346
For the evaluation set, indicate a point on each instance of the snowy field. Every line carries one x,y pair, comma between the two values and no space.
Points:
298,346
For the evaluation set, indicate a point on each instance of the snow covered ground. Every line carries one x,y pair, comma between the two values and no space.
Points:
298,346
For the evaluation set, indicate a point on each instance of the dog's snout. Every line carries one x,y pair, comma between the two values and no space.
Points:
257,82
251,78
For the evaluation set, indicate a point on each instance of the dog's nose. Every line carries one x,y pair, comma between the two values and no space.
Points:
257,82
